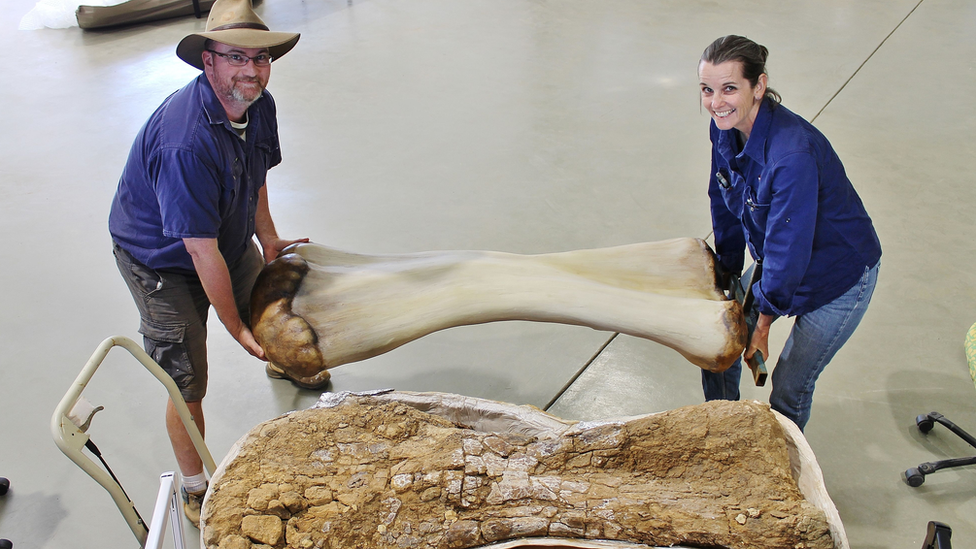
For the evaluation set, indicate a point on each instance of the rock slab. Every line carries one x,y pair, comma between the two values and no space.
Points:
381,474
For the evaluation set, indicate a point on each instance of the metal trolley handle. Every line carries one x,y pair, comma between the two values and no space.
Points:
71,437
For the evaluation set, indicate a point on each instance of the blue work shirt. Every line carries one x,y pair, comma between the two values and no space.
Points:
786,196
189,175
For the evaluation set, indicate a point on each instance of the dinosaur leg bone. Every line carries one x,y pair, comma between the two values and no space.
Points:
317,307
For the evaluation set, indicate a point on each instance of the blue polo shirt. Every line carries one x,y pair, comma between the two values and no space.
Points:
189,175
786,197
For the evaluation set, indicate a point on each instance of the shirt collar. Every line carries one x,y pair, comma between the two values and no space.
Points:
756,145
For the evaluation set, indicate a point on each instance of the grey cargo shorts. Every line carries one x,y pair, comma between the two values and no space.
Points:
173,309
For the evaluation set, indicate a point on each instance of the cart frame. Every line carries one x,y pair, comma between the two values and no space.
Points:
71,438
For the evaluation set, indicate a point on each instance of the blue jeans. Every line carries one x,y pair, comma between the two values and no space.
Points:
815,339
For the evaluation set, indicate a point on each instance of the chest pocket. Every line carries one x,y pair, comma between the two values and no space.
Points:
756,203
733,190
230,193
261,158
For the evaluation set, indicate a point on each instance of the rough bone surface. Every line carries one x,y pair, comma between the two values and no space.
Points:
317,307
380,473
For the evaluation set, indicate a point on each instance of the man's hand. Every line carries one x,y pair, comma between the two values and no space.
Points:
212,270
273,248
246,339
760,336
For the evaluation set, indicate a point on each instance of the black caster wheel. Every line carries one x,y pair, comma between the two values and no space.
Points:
914,477
4,486
924,423
6,544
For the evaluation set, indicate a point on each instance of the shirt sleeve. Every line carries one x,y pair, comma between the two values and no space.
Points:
790,225
188,190
730,240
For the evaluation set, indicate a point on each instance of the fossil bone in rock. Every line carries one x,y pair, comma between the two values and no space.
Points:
315,307
438,471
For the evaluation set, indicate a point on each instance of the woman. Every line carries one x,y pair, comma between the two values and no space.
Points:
778,188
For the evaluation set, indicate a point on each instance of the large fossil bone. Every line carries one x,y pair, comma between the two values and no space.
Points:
315,307
441,471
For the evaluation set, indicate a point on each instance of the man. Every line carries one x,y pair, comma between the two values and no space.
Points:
190,200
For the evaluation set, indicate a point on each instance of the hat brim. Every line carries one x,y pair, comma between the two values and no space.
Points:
190,49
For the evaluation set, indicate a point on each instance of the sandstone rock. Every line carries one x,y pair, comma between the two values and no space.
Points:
259,498
318,495
714,475
234,542
265,529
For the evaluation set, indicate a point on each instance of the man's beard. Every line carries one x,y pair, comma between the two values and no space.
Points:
242,96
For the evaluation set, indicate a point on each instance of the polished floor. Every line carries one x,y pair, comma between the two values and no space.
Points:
517,125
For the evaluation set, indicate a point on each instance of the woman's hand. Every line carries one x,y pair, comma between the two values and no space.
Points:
760,337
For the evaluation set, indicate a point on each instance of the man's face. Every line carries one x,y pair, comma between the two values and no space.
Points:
241,85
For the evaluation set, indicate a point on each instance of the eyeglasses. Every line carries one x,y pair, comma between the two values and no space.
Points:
238,60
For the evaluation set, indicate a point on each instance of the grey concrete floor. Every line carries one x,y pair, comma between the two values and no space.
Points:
515,125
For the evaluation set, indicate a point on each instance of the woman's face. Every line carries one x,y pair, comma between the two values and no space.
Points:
731,100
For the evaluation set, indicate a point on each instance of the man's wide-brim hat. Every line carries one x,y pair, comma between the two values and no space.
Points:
233,22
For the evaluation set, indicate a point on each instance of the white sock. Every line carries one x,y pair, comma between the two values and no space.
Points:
195,484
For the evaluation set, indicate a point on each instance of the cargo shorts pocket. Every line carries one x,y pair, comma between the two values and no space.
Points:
141,280
165,344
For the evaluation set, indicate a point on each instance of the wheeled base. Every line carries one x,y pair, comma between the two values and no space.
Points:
938,536
916,475
4,486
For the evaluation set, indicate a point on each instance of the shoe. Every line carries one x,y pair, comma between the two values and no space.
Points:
191,506
274,372
314,383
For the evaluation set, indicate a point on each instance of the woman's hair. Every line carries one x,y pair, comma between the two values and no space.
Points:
751,55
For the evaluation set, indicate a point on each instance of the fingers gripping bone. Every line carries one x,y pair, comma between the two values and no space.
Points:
317,307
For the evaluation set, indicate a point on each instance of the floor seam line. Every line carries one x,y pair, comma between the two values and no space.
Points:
858,69
577,375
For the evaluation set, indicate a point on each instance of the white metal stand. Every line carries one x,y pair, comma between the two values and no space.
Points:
167,507
69,435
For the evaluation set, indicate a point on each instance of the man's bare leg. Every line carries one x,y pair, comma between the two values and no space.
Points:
186,455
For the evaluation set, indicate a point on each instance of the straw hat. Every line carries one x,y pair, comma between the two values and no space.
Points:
233,22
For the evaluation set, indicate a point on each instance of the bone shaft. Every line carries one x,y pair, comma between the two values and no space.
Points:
381,309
